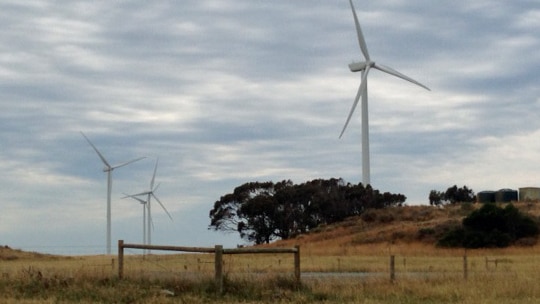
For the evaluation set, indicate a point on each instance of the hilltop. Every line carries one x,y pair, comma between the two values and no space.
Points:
409,228
406,229
9,254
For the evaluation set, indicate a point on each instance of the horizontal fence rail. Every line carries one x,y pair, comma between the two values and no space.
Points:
218,251
167,248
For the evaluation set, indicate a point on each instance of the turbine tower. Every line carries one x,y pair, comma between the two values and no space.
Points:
149,194
364,67
144,205
109,169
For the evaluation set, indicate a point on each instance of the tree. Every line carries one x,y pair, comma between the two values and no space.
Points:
452,195
436,198
232,211
459,195
262,212
260,219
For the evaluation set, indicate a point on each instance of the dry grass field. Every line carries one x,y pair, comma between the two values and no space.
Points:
344,263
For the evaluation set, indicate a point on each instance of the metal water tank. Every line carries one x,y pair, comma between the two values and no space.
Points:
506,196
527,194
485,197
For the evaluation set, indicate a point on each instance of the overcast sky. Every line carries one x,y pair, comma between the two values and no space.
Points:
226,92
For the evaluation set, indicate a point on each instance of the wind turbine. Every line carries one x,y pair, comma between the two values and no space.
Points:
144,205
109,169
364,67
151,193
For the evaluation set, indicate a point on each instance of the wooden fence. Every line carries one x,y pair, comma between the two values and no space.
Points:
465,267
218,250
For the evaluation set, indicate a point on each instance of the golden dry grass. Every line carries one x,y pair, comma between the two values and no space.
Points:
388,231
424,273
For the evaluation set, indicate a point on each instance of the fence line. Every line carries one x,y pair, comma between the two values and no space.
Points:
392,266
218,251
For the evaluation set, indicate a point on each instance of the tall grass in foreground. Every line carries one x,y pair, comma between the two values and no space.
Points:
421,277
480,288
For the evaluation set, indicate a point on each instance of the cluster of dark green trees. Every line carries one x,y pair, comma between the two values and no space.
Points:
452,195
264,211
491,226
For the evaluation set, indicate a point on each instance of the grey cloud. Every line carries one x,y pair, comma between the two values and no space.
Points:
224,93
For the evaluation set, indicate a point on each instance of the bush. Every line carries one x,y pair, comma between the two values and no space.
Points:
452,238
369,216
425,232
386,218
491,226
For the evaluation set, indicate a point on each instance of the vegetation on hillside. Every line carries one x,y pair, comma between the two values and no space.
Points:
491,226
452,195
264,211
9,254
409,226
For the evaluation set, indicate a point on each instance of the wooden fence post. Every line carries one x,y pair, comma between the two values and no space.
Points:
297,263
392,268
465,268
219,268
120,259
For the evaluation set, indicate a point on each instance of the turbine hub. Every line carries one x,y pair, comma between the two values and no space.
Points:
360,66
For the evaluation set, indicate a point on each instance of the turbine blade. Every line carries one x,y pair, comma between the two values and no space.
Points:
97,151
361,40
361,91
135,198
127,163
153,176
162,206
140,194
391,71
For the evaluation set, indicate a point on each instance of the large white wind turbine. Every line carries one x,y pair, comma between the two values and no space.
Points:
149,194
365,67
109,169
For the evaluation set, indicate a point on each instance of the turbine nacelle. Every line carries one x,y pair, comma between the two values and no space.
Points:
360,66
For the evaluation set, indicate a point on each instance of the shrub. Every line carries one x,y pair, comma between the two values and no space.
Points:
425,232
452,238
491,226
369,216
386,218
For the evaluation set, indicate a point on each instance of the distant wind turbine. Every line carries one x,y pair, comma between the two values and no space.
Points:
145,206
364,67
108,168
149,194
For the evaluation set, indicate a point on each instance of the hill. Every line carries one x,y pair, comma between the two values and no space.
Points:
409,228
9,254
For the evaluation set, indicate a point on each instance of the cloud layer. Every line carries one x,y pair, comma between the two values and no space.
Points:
226,92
